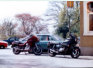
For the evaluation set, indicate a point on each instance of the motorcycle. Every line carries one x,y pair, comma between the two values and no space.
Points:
25,47
68,47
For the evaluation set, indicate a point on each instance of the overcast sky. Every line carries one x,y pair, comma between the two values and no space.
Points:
35,8
10,8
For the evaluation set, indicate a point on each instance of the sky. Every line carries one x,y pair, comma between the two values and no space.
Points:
11,8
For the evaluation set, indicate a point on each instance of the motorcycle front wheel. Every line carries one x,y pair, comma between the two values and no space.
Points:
15,50
37,50
75,52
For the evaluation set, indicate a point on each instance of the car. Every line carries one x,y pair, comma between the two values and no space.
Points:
3,44
45,39
11,39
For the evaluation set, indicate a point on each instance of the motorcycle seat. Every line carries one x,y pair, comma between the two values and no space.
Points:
22,44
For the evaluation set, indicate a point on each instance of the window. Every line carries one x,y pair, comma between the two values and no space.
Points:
43,37
39,37
52,38
90,6
11,39
91,22
88,18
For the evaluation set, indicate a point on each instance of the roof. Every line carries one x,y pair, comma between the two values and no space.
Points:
43,34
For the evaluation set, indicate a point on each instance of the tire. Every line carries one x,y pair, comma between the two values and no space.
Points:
15,50
75,52
2,47
52,54
37,51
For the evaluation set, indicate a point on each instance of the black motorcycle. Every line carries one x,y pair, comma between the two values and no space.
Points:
21,47
68,47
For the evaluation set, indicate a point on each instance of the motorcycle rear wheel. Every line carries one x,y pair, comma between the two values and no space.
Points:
15,50
75,52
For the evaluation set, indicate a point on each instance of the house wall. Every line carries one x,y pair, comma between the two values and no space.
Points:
86,41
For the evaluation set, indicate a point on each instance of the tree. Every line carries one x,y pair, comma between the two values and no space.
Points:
30,24
8,29
54,10
65,18
62,30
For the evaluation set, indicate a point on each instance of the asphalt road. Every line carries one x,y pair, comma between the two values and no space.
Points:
9,60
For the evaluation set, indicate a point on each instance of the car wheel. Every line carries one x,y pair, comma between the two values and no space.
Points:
2,47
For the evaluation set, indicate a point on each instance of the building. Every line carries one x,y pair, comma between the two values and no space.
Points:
86,27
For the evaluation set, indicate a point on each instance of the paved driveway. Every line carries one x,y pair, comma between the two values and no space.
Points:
9,60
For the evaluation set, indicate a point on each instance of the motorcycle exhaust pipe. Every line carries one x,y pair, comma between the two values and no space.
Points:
53,51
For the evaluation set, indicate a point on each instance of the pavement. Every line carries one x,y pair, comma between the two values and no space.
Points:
10,60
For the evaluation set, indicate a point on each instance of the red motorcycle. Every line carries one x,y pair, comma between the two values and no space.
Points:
29,46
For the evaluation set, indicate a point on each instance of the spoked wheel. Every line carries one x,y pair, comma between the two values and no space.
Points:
15,50
37,50
75,52
52,54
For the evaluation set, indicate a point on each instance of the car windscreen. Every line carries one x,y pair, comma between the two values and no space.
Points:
23,39
52,38
46,38
43,37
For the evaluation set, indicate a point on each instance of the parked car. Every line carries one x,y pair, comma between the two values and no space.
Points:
45,39
3,44
11,39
